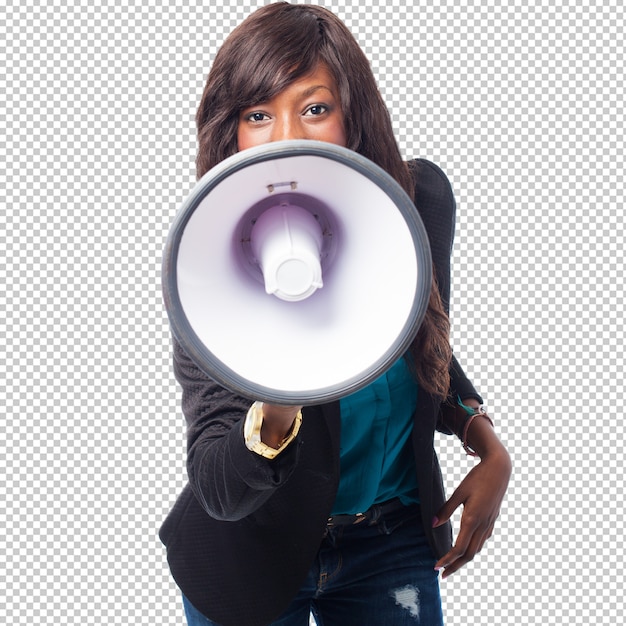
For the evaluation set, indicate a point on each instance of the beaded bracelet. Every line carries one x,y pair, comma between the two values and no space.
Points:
473,414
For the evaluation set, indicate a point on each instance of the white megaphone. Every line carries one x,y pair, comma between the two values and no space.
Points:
296,272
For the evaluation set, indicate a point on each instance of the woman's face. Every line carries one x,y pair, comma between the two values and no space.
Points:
308,108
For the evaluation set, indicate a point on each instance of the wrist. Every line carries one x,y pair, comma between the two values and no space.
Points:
478,435
274,436
268,438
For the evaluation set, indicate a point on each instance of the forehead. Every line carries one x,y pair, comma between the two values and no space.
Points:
321,75
320,78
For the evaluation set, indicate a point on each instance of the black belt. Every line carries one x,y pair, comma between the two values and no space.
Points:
372,515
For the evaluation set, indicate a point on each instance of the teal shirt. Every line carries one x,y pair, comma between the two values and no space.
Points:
377,462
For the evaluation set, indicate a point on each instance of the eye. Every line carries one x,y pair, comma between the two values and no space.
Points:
256,116
316,109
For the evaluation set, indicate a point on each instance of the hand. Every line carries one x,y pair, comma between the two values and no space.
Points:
481,493
277,423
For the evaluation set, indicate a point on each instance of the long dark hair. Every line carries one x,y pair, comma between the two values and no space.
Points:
272,48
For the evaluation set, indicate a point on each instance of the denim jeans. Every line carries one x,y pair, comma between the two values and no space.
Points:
366,574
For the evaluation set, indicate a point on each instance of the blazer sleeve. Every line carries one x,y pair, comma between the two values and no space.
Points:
228,480
436,204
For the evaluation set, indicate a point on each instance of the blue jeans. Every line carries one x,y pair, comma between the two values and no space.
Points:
379,573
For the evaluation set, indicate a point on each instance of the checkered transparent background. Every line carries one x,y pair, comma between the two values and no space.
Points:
520,102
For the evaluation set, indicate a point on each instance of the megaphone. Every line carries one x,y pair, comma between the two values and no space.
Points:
296,272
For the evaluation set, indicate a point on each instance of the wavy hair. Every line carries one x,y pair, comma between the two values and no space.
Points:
277,45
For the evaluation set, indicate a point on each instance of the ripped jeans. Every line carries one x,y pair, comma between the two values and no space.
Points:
376,573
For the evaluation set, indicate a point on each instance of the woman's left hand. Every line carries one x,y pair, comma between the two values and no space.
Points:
481,493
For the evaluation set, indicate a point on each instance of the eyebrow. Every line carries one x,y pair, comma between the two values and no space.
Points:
311,90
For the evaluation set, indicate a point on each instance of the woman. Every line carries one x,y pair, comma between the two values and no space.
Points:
343,517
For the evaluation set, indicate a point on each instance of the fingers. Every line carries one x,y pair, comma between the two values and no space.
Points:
470,541
448,509
459,556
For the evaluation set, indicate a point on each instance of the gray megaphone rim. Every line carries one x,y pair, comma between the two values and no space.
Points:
214,367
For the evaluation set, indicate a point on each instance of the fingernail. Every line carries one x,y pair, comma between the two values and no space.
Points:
435,521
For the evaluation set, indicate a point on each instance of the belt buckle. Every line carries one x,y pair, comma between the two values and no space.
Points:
346,520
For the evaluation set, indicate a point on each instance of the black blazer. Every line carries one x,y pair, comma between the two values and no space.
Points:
245,530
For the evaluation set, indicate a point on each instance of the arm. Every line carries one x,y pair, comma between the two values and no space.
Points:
228,480
434,199
482,491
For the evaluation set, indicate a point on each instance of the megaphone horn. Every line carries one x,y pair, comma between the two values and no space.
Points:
287,240
296,272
